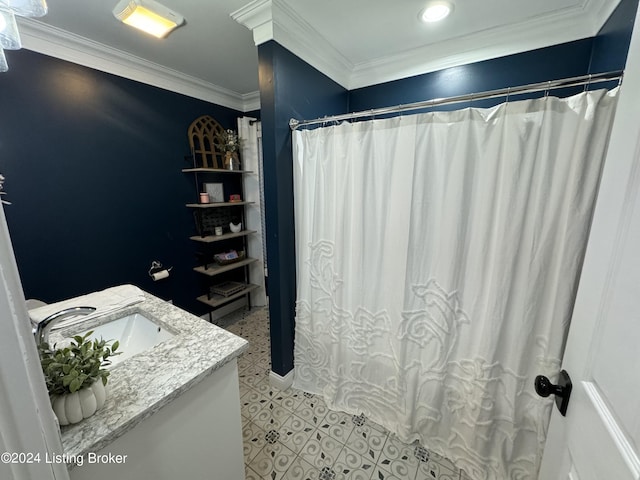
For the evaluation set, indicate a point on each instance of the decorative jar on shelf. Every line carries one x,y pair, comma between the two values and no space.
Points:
231,161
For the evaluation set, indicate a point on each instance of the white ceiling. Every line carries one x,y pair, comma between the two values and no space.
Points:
355,42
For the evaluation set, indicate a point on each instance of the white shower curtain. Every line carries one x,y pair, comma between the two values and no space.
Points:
437,260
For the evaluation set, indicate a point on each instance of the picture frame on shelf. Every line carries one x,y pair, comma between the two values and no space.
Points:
215,191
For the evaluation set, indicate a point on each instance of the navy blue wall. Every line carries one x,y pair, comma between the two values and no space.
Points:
611,45
289,87
558,61
92,164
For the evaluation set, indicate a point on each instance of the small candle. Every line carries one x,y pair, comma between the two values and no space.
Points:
204,198
218,230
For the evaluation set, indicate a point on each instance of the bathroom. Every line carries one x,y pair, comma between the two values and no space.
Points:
94,180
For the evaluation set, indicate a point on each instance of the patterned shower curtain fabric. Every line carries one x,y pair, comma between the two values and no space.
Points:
438,257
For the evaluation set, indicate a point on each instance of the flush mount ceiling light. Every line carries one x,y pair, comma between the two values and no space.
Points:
436,11
149,16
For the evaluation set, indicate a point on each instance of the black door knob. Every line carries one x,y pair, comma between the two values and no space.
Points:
562,390
544,387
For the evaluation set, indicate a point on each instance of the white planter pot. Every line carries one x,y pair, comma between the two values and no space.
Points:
73,407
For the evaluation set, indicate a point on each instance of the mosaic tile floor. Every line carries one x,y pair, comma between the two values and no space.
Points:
292,435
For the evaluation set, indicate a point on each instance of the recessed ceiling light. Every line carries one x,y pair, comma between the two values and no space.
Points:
436,11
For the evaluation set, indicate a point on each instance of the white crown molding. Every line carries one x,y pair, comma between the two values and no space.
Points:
600,11
562,26
251,101
299,37
275,20
257,16
55,42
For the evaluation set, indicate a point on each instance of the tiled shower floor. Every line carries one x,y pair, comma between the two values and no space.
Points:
293,435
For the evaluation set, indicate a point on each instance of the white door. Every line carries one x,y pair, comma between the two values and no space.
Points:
600,436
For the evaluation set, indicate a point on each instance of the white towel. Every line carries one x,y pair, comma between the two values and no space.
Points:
105,301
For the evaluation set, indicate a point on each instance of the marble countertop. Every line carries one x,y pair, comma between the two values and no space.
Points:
141,385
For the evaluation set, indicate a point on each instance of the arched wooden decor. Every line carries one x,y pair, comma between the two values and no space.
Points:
204,139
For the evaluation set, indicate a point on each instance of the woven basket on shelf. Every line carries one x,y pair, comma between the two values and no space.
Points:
220,261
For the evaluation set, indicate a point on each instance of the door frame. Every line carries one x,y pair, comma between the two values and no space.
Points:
28,427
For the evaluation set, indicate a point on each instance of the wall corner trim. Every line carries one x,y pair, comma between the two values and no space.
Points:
279,382
276,20
251,101
257,16
601,11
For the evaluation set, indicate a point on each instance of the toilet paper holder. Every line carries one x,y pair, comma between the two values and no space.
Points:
158,272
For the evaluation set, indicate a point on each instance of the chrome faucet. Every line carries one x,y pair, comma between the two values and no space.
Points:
41,330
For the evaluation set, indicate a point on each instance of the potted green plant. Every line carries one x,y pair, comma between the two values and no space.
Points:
75,376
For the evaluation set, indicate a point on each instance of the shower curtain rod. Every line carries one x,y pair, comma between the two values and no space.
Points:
502,92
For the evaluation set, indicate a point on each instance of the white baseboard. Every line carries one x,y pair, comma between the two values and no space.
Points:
279,382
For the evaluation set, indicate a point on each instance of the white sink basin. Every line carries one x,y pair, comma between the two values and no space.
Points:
135,332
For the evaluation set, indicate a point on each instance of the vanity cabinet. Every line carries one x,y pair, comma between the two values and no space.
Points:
226,281
172,411
198,435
